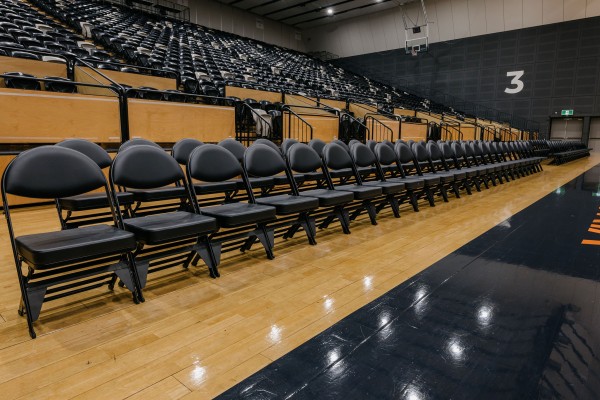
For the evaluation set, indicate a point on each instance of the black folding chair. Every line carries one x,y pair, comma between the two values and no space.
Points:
214,165
166,235
61,263
263,161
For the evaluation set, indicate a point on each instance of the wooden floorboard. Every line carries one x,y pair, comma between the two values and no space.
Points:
195,337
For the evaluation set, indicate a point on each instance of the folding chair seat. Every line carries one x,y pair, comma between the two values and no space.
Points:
337,157
238,149
148,167
263,161
96,253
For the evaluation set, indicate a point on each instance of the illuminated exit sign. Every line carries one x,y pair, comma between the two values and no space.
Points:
566,112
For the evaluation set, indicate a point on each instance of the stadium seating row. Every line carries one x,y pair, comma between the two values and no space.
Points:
159,216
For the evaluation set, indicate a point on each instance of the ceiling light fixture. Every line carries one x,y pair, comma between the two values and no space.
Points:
330,11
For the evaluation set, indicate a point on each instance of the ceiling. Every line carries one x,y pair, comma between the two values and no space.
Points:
309,13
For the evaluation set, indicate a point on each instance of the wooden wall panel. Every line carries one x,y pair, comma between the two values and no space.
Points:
469,132
360,110
405,112
39,69
258,95
44,117
324,128
412,131
15,200
380,133
131,79
334,103
168,122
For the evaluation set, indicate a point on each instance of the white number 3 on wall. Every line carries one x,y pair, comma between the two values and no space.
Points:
516,81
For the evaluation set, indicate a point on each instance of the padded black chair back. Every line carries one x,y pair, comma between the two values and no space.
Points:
435,153
446,150
184,148
138,142
145,167
336,157
317,145
385,154
363,156
267,143
303,159
49,172
388,143
372,144
235,147
457,149
213,163
404,153
420,152
287,144
90,149
342,144
261,160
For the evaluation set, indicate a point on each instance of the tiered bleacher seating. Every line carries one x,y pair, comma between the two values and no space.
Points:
352,179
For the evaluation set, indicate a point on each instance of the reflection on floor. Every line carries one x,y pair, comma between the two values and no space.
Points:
514,313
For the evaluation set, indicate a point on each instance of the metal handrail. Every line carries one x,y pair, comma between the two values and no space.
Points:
263,121
305,124
380,125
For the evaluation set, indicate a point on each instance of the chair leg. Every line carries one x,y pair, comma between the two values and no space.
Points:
329,219
266,237
394,205
341,215
413,200
371,211
292,230
455,189
308,224
443,193
429,194
467,186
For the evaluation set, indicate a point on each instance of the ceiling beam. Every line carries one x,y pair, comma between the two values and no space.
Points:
290,7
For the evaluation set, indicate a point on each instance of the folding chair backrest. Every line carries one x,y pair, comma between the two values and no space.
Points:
145,167
458,150
336,157
446,150
420,152
385,154
287,144
303,159
363,156
435,153
138,142
184,148
267,142
50,172
342,144
213,163
404,153
317,145
261,160
235,147
90,149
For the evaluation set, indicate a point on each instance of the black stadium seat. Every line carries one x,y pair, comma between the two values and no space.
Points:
18,80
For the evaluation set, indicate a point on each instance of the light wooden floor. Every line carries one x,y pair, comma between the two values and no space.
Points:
195,337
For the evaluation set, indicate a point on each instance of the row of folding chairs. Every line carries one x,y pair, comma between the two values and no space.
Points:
158,210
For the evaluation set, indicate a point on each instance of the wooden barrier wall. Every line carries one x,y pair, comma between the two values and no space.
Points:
39,69
168,122
324,128
405,112
390,123
48,117
334,103
360,110
127,78
257,95
413,131
293,100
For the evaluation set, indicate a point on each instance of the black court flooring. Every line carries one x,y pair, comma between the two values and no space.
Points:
514,314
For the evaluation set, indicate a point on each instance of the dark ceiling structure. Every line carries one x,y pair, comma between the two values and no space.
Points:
310,13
